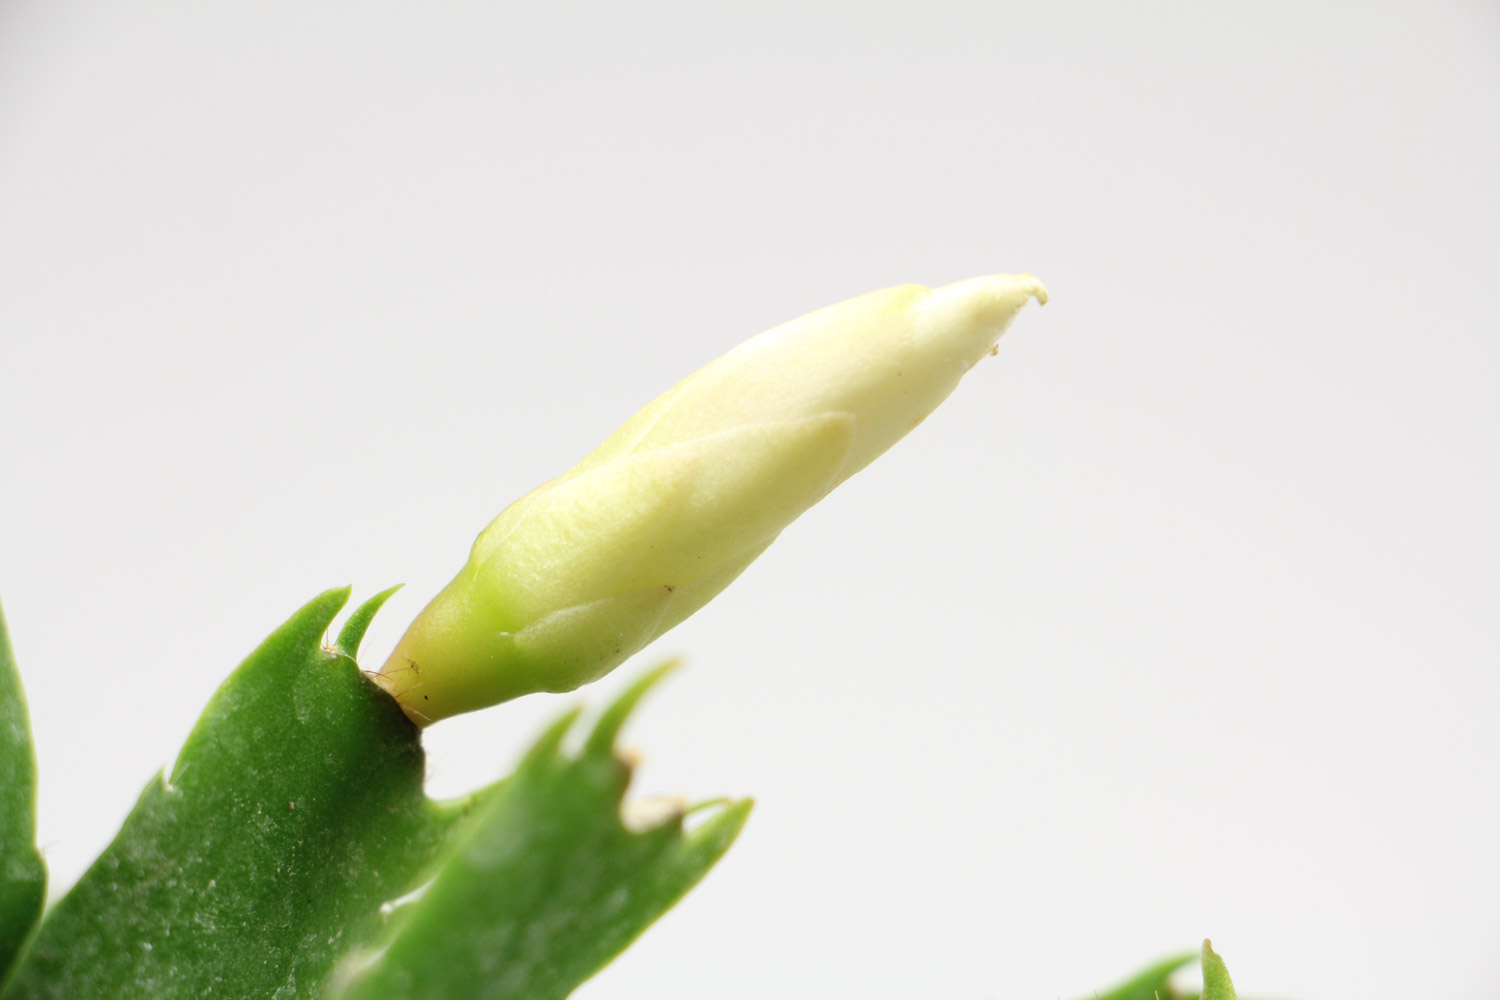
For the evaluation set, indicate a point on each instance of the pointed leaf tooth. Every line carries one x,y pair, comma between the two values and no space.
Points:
1216,982
353,632
602,740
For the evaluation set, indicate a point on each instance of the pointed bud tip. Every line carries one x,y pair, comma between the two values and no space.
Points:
1006,291
977,311
966,319
1038,290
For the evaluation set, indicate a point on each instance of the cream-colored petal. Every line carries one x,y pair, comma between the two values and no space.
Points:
889,357
799,369
581,540
751,482
580,644
689,597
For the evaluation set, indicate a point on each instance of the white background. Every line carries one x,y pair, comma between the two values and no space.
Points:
1179,619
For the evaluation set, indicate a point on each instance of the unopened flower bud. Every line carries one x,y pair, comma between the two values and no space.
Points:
585,570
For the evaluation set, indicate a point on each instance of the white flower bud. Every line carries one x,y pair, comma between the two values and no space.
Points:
585,570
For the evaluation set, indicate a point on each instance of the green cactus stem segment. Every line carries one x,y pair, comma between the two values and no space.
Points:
291,852
23,877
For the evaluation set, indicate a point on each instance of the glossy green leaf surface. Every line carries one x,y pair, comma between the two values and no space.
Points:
23,879
293,811
267,863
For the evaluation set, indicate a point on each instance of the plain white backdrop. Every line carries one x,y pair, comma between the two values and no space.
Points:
1179,619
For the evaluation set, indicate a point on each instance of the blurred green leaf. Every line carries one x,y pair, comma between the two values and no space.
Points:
1153,983
23,878
269,863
